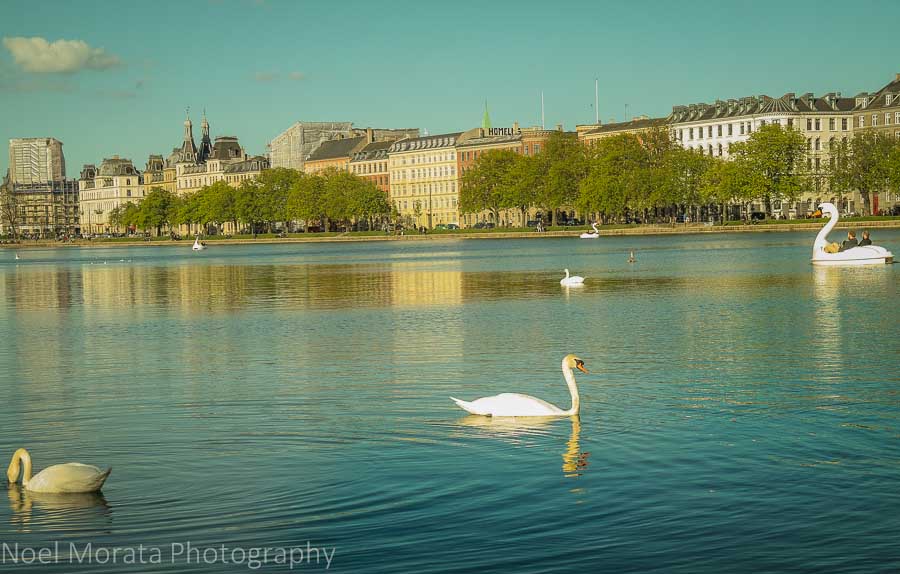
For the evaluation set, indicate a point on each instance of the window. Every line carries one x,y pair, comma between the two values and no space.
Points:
691,133
710,149
790,122
887,99
809,124
874,120
742,128
818,124
887,118
818,144
831,124
709,132
720,150
730,129
818,163
719,130
897,118
844,124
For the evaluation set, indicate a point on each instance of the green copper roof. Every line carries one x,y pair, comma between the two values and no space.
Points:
486,120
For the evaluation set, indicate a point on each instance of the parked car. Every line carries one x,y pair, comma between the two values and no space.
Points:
452,226
484,225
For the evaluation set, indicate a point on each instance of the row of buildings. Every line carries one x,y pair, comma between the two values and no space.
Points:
421,173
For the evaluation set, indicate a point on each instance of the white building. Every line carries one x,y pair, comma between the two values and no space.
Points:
823,121
116,183
36,160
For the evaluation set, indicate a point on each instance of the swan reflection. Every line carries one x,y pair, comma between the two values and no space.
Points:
46,511
515,429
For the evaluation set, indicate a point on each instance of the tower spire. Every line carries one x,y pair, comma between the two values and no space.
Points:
486,119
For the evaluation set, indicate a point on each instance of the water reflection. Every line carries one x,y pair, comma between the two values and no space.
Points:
42,511
517,430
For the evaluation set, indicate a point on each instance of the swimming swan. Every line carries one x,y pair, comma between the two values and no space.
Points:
516,405
59,478
573,280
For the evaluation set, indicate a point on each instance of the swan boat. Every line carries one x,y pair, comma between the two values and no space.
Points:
197,245
862,255
592,235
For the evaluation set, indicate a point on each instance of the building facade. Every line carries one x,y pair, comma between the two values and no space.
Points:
424,178
590,134
159,174
36,161
879,111
371,163
334,154
102,190
293,146
40,210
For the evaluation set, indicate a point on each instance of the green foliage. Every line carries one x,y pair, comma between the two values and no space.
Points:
772,163
869,162
489,184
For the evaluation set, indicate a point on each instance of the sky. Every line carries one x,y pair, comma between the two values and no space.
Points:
111,78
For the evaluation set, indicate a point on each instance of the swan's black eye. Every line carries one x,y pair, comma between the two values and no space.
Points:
579,363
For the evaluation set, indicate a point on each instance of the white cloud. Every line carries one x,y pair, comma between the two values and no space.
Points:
38,56
266,76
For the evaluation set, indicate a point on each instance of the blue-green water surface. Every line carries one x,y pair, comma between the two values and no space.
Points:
742,413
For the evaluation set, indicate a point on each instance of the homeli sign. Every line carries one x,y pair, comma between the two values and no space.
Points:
504,131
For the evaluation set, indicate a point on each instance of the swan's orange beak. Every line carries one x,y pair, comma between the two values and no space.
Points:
580,366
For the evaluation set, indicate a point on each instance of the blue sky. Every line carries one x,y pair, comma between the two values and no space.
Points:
257,66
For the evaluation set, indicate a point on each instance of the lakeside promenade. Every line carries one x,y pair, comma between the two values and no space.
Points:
664,229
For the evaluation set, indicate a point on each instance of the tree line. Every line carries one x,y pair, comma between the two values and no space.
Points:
330,200
649,175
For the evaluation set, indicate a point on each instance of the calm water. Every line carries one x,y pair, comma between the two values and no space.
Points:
742,411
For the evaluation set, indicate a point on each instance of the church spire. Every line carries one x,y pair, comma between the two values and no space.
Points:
188,149
205,144
486,120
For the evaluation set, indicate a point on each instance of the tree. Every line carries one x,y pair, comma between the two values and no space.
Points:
487,185
9,208
249,206
614,179
522,185
864,164
774,158
274,188
155,209
562,167
725,182
305,199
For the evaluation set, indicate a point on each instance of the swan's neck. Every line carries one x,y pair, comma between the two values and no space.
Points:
822,237
567,273
573,389
21,456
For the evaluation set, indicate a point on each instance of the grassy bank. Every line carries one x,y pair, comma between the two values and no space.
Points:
497,233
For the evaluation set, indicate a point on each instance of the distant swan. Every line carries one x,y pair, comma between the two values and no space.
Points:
631,258
59,478
573,280
17,257
516,405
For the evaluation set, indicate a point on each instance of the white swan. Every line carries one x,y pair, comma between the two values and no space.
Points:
571,281
631,258
864,255
17,257
516,405
59,478
593,235
197,245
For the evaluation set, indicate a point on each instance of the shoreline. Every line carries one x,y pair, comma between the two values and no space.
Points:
672,229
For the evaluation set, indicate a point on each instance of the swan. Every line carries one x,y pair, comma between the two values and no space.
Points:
592,235
59,478
197,245
631,258
864,255
17,257
573,280
516,405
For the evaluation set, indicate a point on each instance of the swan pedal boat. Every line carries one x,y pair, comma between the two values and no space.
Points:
591,235
198,246
861,255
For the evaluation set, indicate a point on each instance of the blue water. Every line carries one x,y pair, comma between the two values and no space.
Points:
742,412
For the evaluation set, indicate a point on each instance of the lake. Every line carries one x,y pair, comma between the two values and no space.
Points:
742,412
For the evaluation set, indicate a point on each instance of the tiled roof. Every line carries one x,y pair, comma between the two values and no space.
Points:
886,97
335,149
635,124
375,150
755,105
425,142
487,140
255,163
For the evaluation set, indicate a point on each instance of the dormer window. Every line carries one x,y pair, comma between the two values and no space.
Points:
887,99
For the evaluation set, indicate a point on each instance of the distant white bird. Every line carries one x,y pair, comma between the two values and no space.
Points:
571,281
631,258
17,257
517,405
59,478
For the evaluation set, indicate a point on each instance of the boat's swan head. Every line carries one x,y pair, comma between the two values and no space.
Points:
828,209
573,362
